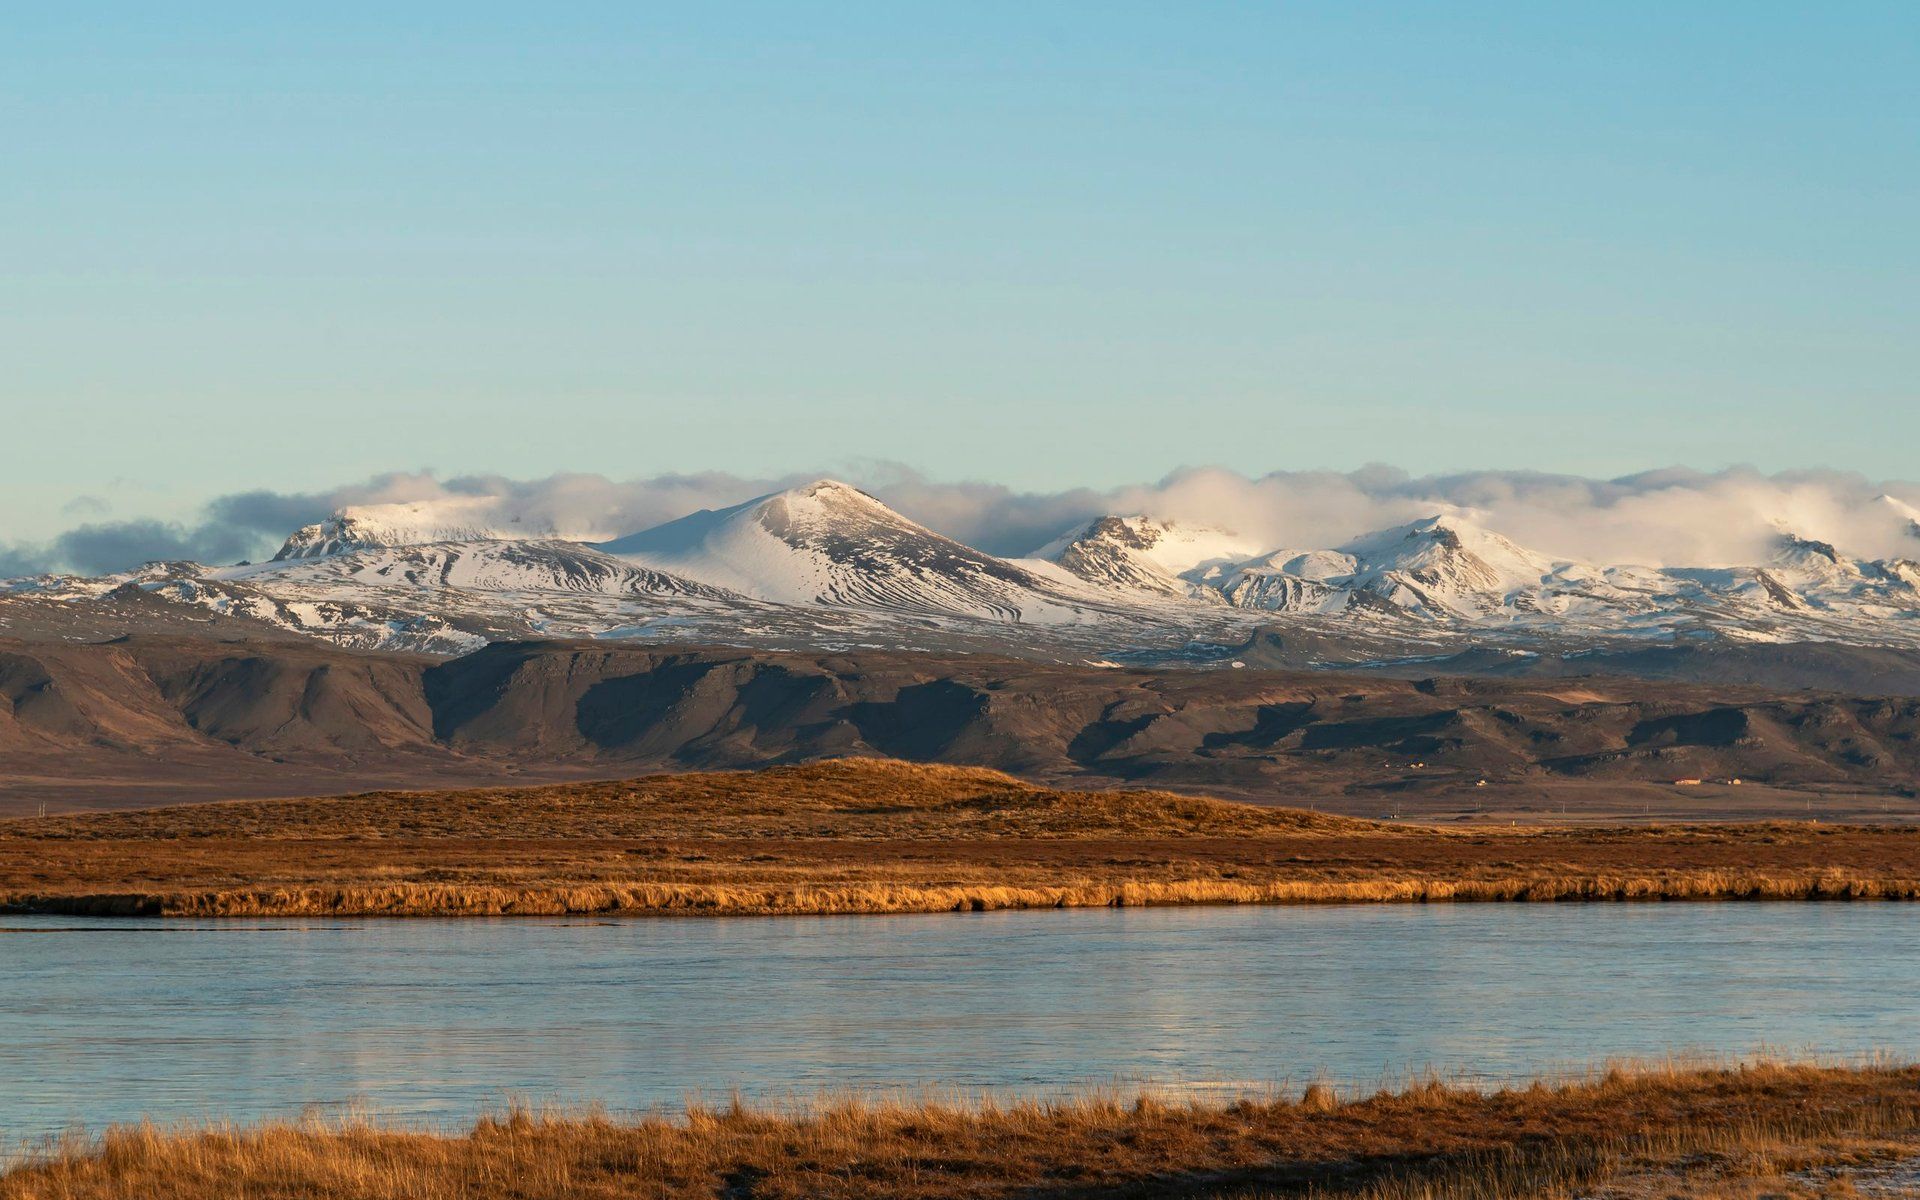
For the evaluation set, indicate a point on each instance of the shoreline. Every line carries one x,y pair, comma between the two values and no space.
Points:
642,899
1798,1128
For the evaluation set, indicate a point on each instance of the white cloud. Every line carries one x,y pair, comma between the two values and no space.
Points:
1669,517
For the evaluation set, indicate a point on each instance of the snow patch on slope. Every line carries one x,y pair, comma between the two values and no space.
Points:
416,523
474,566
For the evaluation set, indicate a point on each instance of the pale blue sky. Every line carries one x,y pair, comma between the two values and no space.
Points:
276,246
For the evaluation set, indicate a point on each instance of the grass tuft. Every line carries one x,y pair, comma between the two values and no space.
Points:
1699,1131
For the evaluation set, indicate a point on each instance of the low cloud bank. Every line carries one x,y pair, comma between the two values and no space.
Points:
1669,517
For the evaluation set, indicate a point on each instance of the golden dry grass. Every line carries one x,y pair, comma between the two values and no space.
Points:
430,899
869,836
1728,1129
849,798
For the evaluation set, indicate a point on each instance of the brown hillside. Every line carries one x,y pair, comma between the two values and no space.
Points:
853,798
143,721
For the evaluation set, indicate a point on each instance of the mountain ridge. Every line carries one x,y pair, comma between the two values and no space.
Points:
827,566
143,719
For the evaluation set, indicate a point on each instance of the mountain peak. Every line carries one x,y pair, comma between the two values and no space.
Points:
827,502
1798,561
1145,553
828,542
413,523
832,489
1794,547
830,493
1446,535
1902,511
1446,564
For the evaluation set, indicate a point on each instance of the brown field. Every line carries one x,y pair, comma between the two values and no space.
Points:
862,835
1749,1131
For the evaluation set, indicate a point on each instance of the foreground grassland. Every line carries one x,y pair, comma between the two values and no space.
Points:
868,836
1758,1130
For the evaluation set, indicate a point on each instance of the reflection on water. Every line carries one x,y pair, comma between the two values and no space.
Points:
104,1021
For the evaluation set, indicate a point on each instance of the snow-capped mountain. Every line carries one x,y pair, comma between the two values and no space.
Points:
829,566
1449,572
479,565
451,594
1449,569
447,519
1905,513
1444,567
1804,573
830,543
1152,556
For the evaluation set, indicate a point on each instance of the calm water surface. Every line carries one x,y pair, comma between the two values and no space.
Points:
104,1021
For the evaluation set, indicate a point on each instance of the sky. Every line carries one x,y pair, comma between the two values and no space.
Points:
272,249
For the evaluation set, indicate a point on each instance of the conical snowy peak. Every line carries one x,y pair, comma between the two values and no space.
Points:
831,543
812,516
1142,553
828,511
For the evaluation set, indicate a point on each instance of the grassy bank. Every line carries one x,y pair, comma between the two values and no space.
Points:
442,900
863,836
1763,1129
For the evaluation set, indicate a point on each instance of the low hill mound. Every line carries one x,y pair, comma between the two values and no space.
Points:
843,798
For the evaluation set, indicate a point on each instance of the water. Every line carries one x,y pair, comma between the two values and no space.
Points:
109,1021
